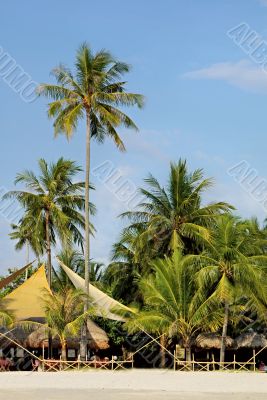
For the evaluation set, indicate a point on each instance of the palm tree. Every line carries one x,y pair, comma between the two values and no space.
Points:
123,274
64,314
231,268
258,234
173,217
173,306
24,235
74,259
96,272
52,205
94,92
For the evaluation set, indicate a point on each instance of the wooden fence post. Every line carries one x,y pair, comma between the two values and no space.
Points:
213,361
234,361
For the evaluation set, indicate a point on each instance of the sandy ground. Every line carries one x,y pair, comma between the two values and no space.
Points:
121,395
133,384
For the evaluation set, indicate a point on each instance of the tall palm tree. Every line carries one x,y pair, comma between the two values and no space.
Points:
231,268
93,92
173,217
52,204
173,306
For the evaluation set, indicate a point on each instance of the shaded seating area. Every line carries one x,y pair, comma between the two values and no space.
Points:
36,340
244,353
29,348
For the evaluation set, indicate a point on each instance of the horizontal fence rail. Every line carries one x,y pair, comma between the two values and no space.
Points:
213,366
60,365
193,365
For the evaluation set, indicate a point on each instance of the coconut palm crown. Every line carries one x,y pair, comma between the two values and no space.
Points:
173,217
52,204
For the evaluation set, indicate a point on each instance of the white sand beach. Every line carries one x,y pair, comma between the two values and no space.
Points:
134,384
55,394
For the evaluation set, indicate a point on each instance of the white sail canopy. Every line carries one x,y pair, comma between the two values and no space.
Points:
105,305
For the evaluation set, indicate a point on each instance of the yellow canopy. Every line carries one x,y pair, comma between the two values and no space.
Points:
25,301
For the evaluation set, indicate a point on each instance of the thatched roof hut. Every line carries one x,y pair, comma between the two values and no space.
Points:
37,337
212,341
251,340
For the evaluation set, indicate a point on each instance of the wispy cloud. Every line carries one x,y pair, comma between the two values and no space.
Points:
263,2
243,74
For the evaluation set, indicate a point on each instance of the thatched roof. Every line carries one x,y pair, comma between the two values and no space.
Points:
251,339
37,337
97,337
212,341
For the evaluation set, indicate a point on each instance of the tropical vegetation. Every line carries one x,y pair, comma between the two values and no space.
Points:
64,315
52,206
174,307
184,266
231,268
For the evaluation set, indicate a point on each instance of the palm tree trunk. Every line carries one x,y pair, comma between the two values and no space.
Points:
188,354
48,248
27,258
87,211
49,269
83,344
224,332
162,351
63,350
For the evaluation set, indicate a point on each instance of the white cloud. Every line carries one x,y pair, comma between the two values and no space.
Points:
263,2
243,74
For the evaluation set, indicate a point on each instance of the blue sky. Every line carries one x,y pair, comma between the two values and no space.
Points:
205,98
